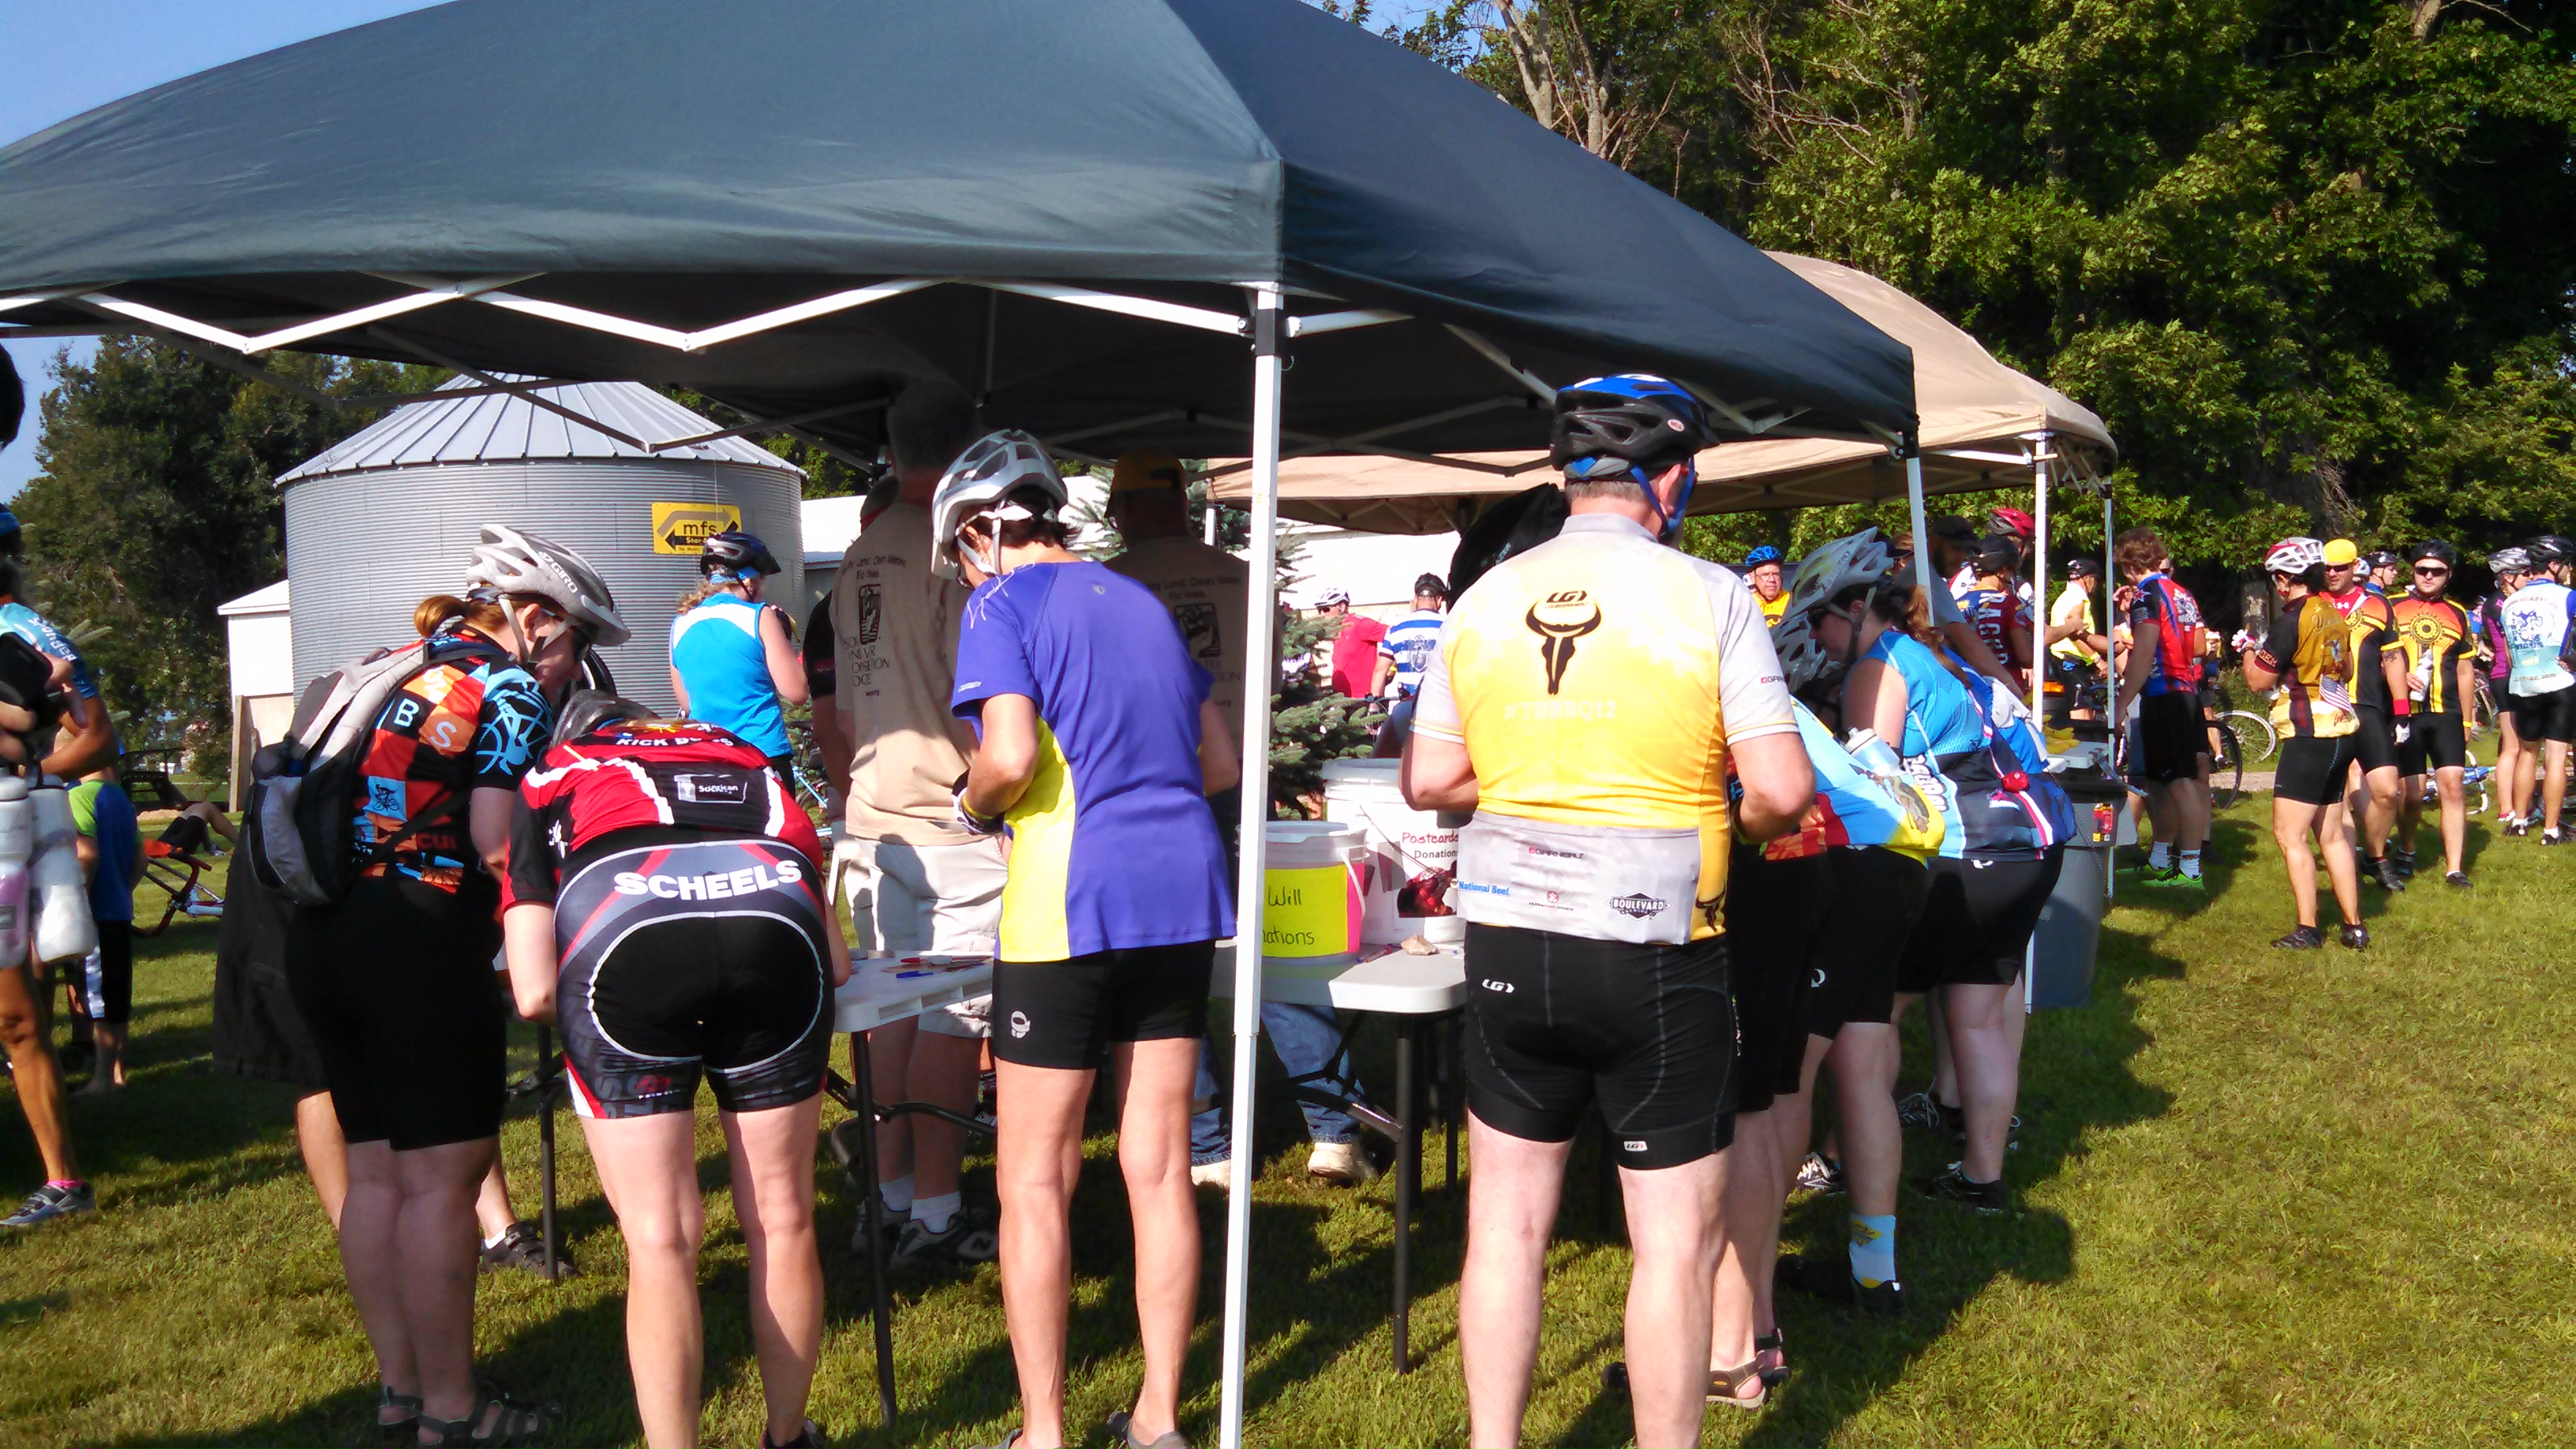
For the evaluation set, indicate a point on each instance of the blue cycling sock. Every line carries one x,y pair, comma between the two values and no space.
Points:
1873,1249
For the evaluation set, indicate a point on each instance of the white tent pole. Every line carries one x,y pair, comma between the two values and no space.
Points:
1259,648
1922,536
2038,575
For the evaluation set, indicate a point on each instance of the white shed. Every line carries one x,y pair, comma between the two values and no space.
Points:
259,640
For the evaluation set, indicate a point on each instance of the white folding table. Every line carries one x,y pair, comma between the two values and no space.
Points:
1413,990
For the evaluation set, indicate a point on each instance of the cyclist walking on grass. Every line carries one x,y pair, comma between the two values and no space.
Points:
1586,701
2441,676
2308,657
733,658
2537,632
1098,748
2162,678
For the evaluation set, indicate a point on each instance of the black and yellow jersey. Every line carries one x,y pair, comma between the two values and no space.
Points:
2435,635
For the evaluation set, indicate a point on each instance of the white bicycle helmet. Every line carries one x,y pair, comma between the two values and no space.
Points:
2295,555
2510,560
975,486
1803,659
1857,561
511,564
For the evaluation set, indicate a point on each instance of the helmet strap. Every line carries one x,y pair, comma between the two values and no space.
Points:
1668,526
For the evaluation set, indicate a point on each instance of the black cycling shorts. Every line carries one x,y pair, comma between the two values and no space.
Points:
1554,1022
2313,769
659,980
2437,742
2374,744
1851,977
396,985
1977,918
2551,716
1773,911
1067,1014
2171,736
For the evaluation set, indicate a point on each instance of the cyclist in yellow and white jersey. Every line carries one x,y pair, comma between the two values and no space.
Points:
1585,701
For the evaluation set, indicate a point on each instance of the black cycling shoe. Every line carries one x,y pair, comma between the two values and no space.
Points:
2517,826
1832,1281
973,1236
1990,1199
2553,837
2383,874
2301,938
809,1437
524,1248
2404,860
2355,937
2457,880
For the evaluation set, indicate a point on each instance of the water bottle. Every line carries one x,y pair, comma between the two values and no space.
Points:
64,930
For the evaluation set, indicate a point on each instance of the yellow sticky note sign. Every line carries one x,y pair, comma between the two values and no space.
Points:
685,527
1308,912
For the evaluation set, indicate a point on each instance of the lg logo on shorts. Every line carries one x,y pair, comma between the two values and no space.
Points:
1504,987
1019,1024
1632,1146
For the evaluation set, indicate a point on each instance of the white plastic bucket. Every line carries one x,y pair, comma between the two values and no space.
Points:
1411,880
1311,910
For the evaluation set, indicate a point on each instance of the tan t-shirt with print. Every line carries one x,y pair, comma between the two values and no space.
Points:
895,625
1205,589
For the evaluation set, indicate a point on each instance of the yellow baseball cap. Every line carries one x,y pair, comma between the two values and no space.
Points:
1147,468
2340,552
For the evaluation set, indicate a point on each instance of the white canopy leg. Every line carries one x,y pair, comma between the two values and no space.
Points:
1258,649
1922,539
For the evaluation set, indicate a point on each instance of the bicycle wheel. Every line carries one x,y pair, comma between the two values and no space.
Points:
2256,740
2227,771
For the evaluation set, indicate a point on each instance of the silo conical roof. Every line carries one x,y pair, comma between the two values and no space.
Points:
502,428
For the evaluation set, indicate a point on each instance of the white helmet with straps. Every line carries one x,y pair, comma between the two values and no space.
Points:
511,564
1803,659
1858,560
2295,555
979,485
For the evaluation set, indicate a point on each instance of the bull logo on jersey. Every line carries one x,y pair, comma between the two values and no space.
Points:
1558,620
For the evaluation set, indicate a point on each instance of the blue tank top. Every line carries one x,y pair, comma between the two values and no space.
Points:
716,648
1940,719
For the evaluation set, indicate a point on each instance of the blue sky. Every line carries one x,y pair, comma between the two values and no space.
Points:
69,56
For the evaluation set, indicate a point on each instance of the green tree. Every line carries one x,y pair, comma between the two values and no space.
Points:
155,501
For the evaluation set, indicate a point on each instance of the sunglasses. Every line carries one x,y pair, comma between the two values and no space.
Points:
2435,571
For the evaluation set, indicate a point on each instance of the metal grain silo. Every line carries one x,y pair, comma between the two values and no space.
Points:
390,515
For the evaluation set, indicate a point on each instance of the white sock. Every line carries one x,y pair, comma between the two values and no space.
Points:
2191,864
897,1194
2160,854
494,1241
935,1213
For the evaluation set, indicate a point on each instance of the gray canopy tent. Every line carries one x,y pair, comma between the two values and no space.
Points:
1090,216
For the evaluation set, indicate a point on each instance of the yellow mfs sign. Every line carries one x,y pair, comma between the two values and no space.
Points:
685,527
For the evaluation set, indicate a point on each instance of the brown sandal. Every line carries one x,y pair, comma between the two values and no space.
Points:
1726,1386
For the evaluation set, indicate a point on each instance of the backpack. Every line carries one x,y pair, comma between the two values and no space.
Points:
304,788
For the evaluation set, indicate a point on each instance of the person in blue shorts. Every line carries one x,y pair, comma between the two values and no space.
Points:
1098,747
733,658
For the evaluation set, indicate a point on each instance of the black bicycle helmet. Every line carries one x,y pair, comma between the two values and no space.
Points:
1634,417
736,552
2551,548
2379,558
587,709
2436,549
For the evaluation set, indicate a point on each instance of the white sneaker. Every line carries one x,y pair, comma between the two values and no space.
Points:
1342,1164
1212,1174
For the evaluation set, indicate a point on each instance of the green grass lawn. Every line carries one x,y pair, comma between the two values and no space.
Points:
2265,1198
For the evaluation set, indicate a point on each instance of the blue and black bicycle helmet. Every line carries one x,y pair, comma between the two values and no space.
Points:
737,553
1761,554
1632,423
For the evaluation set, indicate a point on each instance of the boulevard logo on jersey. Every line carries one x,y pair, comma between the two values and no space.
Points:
1558,620
1637,906
718,886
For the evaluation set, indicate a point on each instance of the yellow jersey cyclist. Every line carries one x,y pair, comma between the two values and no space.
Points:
2438,640
2308,658
1585,701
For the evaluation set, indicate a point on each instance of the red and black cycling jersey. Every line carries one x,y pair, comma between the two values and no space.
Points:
643,781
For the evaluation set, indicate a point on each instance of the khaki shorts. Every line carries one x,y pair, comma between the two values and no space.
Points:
926,900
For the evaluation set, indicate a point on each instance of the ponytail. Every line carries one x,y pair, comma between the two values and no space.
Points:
1903,607
438,611
707,589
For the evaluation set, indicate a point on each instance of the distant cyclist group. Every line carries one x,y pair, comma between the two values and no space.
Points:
1722,834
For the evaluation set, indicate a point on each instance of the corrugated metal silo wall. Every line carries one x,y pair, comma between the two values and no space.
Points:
363,548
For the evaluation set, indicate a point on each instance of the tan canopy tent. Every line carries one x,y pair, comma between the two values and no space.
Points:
1982,426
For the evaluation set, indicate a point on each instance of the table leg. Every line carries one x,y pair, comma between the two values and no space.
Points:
1408,1175
546,1148
881,1303
1453,1095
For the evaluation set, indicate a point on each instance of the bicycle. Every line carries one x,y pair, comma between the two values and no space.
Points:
2226,765
805,769
2246,728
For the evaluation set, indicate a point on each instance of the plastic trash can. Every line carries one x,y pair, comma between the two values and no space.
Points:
2069,936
